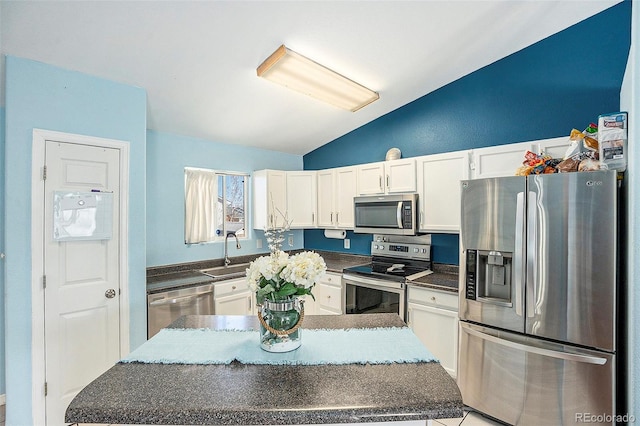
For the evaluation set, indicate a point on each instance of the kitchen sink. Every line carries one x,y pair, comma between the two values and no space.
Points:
221,271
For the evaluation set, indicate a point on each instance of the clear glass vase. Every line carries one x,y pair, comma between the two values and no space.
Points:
279,325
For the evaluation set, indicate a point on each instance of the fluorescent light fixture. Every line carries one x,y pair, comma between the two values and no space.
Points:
301,74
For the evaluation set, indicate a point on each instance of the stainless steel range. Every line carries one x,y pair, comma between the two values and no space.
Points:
380,286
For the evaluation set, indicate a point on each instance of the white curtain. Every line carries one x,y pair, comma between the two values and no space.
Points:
200,204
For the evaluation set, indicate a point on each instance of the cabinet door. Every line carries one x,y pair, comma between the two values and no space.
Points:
439,179
501,160
326,194
555,147
371,179
438,330
346,187
269,198
234,304
301,199
277,197
400,175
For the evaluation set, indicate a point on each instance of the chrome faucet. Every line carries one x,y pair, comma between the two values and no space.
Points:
227,261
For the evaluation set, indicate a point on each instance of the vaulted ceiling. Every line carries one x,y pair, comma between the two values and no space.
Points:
197,60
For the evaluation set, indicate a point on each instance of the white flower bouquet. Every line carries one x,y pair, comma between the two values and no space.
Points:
280,277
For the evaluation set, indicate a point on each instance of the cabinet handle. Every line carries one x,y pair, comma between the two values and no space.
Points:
332,218
433,298
337,220
233,287
387,181
313,218
380,182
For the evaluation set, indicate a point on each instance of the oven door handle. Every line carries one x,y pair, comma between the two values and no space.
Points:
371,283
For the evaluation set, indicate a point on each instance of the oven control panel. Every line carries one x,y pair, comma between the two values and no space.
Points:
401,250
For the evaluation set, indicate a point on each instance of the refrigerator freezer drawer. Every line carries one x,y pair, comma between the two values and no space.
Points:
526,381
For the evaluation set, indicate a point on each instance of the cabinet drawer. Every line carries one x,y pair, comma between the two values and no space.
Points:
230,287
330,296
431,297
331,279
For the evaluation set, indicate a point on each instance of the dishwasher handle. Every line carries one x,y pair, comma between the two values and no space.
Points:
174,300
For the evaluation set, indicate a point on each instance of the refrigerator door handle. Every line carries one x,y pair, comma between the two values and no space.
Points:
519,253
532,212
567,356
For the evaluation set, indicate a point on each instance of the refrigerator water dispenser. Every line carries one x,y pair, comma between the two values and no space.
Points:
488,277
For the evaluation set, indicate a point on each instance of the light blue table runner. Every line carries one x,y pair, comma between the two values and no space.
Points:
319,347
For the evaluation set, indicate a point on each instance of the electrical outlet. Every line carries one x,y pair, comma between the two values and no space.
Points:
259,243
347,243
290,240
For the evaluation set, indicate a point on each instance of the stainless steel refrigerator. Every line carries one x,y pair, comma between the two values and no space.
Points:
538,298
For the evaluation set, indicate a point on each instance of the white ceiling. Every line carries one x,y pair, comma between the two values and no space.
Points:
197,59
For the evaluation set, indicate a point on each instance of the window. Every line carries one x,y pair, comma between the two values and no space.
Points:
215,204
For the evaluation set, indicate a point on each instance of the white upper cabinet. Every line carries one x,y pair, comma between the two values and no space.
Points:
387,177
555,147
301,199
498,161
439,179
269,198
326,186
336,189
504,160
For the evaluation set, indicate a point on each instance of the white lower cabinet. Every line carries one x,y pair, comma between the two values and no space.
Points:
328,293
233,297
433,317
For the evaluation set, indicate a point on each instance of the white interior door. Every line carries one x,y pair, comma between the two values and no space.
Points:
82,288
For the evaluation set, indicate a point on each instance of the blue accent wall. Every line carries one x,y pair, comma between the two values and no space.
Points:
542,91
167,156
47,97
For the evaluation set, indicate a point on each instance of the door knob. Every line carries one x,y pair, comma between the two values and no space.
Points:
110,294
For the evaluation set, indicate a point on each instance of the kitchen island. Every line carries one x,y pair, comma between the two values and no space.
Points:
247,394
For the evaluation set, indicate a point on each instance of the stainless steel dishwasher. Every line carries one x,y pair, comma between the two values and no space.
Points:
165,307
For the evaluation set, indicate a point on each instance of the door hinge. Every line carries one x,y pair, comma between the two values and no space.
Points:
44,281
46,389
44,172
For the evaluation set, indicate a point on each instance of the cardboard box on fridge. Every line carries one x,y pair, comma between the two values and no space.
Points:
612,140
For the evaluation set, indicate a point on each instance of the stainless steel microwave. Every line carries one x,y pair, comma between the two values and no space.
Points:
386,214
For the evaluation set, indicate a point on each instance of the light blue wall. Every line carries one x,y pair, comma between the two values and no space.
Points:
46,97
2,374
167,156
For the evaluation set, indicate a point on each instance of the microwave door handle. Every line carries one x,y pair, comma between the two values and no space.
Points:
399,215
519,253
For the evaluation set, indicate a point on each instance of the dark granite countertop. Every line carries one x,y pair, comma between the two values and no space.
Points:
444,278
235,394
189,275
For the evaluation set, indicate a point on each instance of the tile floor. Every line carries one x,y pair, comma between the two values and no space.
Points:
469,419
